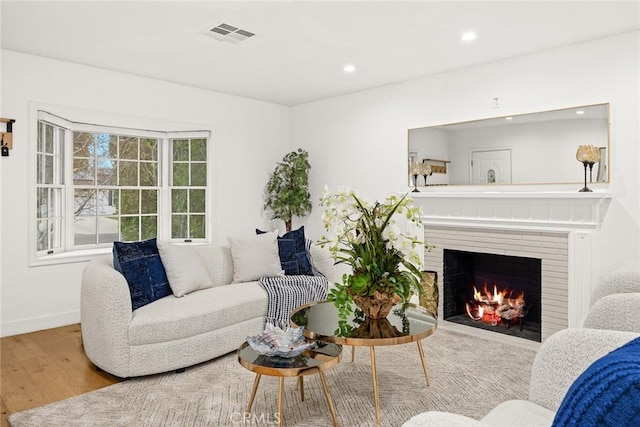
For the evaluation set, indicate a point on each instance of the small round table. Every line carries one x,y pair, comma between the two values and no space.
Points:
321,322
316,360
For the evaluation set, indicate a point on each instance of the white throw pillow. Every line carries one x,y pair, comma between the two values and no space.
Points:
218,262
255,257
184,268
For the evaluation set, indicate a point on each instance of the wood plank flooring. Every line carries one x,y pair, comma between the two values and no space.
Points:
43,367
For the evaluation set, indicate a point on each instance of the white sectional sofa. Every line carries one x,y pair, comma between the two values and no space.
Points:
172,333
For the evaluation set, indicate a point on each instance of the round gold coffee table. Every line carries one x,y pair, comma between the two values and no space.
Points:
321,322
312,361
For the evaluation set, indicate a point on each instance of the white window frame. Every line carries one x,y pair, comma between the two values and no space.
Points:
68,252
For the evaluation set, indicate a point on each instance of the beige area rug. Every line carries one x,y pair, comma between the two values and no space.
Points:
469,376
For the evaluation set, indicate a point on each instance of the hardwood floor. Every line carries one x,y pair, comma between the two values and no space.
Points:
45,366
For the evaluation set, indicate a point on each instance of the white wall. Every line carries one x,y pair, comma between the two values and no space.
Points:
249,136
362,137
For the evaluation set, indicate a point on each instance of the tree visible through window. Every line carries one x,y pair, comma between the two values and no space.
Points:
115,186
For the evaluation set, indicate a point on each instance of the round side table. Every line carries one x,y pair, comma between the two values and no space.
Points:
313,361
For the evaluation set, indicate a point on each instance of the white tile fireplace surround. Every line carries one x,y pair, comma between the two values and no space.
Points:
555,227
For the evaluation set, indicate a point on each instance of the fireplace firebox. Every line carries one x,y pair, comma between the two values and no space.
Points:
499,293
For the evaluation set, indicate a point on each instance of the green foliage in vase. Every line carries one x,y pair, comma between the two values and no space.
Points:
366,237
287,192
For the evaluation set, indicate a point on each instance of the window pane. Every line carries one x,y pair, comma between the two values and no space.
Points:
84,202
83,145
55,232
178,201
181,149
83,172
180,174
149,227
104,202
48,167
48,141
196,227
179,226
40,167
130,201
84,230
128,173
128,147
129,228
107,171
149,201
106,146
196,201
108,229
199,174
42,202
42,235
149,174
148,149
199,150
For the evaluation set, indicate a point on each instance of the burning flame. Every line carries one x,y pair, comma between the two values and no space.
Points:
494,307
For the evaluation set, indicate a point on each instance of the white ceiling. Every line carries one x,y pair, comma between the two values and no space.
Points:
300,48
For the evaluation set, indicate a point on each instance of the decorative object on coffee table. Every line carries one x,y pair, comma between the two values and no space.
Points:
311,361
384,261
274,341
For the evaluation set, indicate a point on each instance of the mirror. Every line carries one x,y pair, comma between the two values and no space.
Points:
536,148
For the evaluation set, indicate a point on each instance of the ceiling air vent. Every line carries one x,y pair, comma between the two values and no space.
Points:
229,33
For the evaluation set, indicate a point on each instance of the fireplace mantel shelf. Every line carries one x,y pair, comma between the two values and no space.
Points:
535,210
513,195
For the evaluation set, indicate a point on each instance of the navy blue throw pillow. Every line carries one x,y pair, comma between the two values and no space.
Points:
140,264
607,393
292,251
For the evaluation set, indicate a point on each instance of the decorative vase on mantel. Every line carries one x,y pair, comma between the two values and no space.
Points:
377,306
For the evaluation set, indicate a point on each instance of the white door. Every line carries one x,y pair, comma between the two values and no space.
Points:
491,166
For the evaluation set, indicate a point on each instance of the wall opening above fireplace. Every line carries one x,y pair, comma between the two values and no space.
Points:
499,293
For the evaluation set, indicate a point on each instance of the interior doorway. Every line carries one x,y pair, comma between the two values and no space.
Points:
491,166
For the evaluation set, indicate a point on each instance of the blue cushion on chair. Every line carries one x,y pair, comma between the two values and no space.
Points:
607,393
141,266
292,250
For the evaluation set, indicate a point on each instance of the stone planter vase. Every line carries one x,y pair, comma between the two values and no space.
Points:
377,306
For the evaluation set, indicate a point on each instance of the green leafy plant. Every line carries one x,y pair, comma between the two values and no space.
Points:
287,191
366,237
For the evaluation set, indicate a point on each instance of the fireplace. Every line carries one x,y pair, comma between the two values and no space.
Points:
501,293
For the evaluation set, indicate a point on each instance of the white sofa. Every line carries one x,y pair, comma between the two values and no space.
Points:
171,333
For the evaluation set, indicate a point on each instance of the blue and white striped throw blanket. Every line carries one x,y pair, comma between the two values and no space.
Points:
286,293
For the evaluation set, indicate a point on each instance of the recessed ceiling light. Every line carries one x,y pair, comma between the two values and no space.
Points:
468,36
349,68
508,118
579,112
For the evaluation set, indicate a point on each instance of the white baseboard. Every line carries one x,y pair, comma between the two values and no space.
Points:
39,323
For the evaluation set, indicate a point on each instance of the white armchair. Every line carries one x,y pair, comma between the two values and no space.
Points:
560,360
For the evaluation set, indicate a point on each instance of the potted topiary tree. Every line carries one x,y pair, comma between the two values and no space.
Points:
286,193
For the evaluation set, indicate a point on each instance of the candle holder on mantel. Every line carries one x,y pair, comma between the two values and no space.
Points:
587,155
416,169
426,171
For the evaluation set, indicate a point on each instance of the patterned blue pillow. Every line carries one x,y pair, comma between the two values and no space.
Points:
141,266
292,250
607,393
